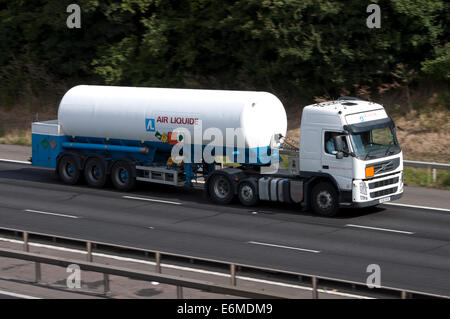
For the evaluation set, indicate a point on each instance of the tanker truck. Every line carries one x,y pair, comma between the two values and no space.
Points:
348,155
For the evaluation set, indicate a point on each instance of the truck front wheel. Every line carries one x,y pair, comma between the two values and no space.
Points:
324,199
221,189
68,170
123,176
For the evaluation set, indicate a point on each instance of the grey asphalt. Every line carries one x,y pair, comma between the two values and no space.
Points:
417,260
15,152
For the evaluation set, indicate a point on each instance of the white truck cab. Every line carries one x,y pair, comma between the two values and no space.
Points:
353,144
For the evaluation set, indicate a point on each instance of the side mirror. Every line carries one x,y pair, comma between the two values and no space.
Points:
339,155
338,143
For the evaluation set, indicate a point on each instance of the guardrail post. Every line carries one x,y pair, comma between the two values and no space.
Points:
105,283
25,242
315,293
37,272
179,292
233,274
434,175
405,295
89,251
158,262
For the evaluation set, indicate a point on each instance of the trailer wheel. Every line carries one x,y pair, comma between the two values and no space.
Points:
95,172
123,175
68,170
221,189
324,200
247,193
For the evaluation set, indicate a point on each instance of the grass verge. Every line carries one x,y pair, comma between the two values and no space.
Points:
16,137
414,176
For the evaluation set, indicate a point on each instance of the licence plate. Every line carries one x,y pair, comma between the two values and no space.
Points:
386,199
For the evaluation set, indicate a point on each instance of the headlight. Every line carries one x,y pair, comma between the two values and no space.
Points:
363,188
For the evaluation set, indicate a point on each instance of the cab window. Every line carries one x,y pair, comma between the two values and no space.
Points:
329,143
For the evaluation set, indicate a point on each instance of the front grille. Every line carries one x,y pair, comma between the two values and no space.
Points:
383,192
386,166
382,183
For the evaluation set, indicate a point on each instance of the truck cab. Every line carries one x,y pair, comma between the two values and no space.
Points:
352,145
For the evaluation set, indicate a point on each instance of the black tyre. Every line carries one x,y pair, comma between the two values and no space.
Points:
123,176
95,172
248,194
324,200
221,189
68,170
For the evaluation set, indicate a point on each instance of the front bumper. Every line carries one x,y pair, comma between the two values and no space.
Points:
373,191
375,201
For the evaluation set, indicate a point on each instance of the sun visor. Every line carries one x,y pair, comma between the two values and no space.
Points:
369,125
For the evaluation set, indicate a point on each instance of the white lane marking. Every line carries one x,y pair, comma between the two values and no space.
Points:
152,200
48,213
14,161
285,247
421,207
13,294
382,229
207,272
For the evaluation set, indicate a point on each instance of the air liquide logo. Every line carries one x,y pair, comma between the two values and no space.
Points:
150,125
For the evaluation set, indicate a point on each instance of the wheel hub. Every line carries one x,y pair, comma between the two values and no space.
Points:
123,175
69,169
221,187
247,193
324,200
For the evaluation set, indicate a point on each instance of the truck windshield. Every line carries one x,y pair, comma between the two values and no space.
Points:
375,143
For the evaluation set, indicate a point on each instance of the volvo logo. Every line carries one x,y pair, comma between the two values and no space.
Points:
383,167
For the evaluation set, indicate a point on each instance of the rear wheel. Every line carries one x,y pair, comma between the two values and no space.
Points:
68,170
95,172
324,199
221,189
122,175
247,194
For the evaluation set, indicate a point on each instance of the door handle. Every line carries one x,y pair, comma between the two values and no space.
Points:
325,167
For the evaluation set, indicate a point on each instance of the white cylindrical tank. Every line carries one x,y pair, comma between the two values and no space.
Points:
150,114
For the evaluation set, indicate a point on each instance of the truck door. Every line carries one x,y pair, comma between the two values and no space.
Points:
340,169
